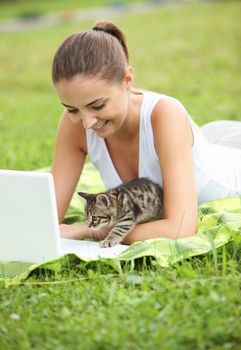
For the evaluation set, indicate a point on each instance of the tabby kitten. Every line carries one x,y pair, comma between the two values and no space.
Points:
123,207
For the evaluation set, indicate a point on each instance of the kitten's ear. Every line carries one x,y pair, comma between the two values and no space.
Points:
86,196
103,200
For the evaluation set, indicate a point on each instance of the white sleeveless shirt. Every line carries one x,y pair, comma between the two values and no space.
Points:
217,168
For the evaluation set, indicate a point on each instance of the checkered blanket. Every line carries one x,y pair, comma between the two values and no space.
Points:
218,222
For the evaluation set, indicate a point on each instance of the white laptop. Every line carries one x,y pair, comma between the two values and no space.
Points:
29,229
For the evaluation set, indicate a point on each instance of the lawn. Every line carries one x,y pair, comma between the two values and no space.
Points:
191,52
23,8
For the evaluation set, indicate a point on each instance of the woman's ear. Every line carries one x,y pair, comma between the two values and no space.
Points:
129,77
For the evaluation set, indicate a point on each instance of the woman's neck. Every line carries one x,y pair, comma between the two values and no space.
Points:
130,126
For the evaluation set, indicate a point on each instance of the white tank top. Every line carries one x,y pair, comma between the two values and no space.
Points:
217,168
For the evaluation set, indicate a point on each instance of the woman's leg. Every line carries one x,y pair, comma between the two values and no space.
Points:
223,132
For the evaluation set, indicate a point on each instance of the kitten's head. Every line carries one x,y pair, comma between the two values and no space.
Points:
100,209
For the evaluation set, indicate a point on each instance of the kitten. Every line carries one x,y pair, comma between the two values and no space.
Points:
123,207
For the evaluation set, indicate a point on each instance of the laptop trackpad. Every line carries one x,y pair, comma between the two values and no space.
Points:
90,249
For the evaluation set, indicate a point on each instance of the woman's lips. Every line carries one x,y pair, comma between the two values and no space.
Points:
100,126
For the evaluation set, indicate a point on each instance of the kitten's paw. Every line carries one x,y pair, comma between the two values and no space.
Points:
106,243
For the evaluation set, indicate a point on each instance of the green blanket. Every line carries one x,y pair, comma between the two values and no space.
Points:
218,221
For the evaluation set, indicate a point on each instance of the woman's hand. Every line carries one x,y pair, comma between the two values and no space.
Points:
82,231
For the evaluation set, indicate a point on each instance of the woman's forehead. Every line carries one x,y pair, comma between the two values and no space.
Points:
85,85
84,90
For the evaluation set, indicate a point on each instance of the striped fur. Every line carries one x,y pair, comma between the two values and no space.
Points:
123,207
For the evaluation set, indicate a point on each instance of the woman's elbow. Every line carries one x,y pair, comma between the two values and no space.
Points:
183,228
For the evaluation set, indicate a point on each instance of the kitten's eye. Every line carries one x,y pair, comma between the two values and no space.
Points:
105,218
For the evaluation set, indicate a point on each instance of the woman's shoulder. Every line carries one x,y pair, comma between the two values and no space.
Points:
169,116
163,105
169,109
164,100
160,96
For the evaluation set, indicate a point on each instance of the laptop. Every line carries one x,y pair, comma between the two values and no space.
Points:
29,228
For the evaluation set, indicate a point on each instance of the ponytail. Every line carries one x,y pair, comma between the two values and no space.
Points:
100,52
111,28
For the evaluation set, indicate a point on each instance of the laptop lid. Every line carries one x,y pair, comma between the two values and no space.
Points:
29,229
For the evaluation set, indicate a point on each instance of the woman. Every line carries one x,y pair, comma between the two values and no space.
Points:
129,134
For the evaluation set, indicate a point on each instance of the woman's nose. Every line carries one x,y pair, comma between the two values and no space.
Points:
88,121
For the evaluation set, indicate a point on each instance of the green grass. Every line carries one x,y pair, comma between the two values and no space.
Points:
190,52
193,53
23,8
189,306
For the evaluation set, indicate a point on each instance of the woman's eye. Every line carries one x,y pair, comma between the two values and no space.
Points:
72,111
99,107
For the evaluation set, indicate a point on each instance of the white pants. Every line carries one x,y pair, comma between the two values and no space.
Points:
223,132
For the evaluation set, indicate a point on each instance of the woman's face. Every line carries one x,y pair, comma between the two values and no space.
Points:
98,105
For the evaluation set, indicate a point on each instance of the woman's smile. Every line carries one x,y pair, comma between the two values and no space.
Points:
100,126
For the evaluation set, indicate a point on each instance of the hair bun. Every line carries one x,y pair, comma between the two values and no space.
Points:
98,29
114,30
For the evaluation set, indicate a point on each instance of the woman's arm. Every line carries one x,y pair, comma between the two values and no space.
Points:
69,157
82,231
173,143
156,229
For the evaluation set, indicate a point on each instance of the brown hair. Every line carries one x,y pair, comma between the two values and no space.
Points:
100,52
